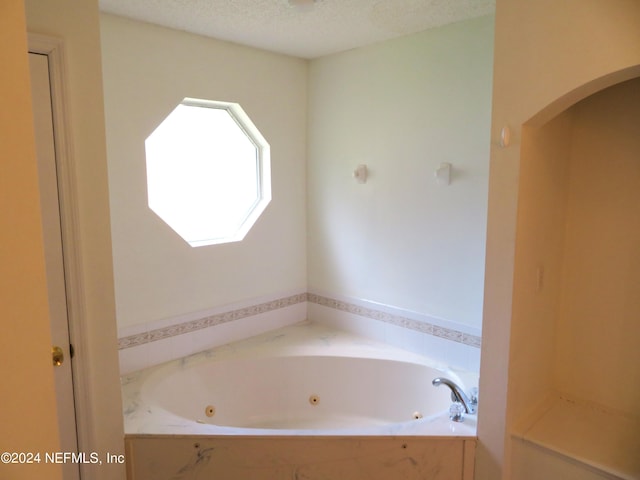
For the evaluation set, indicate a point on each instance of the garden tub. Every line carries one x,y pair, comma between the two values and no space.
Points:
296,385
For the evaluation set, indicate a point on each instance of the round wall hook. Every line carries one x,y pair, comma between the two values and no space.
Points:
361,173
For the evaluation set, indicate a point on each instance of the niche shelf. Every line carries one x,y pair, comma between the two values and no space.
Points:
592,439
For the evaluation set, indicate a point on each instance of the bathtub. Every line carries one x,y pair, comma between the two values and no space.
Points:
306,388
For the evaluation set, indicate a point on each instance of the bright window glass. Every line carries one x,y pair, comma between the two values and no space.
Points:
208,172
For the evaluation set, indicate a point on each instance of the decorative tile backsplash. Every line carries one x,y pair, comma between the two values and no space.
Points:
397,320
240,313
209,321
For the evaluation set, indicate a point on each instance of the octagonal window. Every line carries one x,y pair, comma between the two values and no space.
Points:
208,172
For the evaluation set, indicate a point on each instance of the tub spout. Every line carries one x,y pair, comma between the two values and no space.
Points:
457,394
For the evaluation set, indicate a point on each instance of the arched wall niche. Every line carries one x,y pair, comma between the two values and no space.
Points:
585,90
574,359
539,58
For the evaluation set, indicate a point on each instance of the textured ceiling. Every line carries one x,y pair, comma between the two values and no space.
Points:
329,26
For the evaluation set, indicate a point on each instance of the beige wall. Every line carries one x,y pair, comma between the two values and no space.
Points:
576,277
577,269
76,23
543,63
598,358
544,170
28,413
148,70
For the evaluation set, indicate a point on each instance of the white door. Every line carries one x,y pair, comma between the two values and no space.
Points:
45,149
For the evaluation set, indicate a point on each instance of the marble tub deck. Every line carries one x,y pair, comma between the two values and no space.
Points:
142,419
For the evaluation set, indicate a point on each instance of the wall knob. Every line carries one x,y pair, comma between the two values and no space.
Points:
361,173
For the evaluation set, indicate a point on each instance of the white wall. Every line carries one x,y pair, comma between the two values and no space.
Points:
402,107
148,70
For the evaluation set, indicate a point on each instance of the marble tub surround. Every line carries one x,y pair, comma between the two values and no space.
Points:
162,445
309,458
304,339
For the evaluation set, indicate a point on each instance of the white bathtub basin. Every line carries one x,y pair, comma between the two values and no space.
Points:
293,392
305,379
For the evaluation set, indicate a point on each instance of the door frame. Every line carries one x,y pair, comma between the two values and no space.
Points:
53,48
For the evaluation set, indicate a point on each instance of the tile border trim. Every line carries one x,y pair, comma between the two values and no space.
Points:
209,321
237,314
398,320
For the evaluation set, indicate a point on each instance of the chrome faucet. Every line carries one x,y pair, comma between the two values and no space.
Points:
457,395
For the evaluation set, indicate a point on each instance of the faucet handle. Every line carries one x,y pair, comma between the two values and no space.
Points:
456,412
473,395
